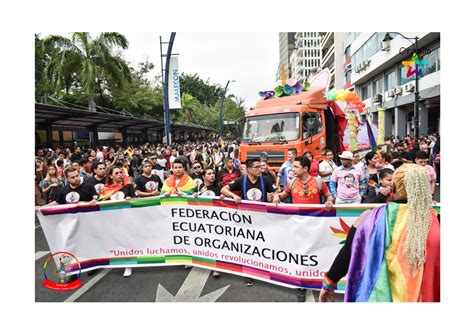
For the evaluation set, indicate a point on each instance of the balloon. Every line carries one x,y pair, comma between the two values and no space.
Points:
291,82
362,104
279,91
298,87
289,90
306,86
266,94
344,95
331,95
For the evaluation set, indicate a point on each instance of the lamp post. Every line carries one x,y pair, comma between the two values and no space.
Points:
222,104
165,79
387,39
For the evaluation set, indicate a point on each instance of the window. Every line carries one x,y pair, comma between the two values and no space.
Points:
275,127
433,62
390,80
366,92
347,52
348,77
312,118
378,86
369,49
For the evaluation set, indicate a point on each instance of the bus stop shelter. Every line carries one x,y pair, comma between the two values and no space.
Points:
134,129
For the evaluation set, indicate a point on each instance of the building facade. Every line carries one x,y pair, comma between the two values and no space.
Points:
306,56
286,47
381,81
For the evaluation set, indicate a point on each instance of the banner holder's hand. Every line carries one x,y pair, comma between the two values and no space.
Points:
324,295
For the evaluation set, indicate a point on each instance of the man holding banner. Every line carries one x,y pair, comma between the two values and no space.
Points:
304,189
251,186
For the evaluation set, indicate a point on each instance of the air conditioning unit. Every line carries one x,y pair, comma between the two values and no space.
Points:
391,93
377,98
409,87
398,90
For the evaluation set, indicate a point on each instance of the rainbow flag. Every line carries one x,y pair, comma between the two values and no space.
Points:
379,270
372,183
373,143
186,185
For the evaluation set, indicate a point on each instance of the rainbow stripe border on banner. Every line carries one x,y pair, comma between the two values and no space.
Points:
208,263
292,209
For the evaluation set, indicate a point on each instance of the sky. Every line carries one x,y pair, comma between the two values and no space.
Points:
251,59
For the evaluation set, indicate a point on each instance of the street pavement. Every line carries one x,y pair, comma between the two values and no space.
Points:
163,284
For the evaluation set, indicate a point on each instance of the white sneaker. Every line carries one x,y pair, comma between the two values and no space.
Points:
187,266
127,272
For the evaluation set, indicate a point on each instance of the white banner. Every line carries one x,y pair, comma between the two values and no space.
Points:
174,95
290,245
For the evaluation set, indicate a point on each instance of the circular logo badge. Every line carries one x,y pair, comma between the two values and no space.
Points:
99,188
72,197
321,141
254,194
208,193
118,196
197,182
151,186
63,273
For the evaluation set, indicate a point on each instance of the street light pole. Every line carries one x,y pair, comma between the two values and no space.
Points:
416,123
417,94
166,103
222,104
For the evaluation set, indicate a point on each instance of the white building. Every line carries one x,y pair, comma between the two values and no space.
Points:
306,57
286,46
381,80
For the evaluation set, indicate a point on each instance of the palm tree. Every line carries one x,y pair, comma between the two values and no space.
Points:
89,61
188,104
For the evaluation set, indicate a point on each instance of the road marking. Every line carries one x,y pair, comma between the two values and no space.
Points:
37,226
191,289
88,285
40,254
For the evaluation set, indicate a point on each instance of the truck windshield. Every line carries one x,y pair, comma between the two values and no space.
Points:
270,128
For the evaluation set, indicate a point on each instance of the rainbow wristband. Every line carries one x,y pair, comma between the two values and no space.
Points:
328,284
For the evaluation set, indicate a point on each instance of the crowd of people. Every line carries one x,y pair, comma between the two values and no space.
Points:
213,169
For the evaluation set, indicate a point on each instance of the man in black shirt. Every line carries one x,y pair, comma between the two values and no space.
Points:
77,155
252,186
75,190
148,184
198,156
98,180
209,188
197,174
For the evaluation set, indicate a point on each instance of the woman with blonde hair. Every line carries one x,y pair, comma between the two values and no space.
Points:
392,252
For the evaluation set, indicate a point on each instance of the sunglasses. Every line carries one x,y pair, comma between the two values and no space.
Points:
305,189
197,167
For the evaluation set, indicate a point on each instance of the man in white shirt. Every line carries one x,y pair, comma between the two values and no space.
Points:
327,167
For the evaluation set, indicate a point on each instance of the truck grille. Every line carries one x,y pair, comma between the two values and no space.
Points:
272,155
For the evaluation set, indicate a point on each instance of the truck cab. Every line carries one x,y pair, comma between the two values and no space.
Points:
304,122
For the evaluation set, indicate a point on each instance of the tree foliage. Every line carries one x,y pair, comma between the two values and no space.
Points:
74,70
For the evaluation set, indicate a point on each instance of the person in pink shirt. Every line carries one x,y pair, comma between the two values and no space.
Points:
422,158
347,182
